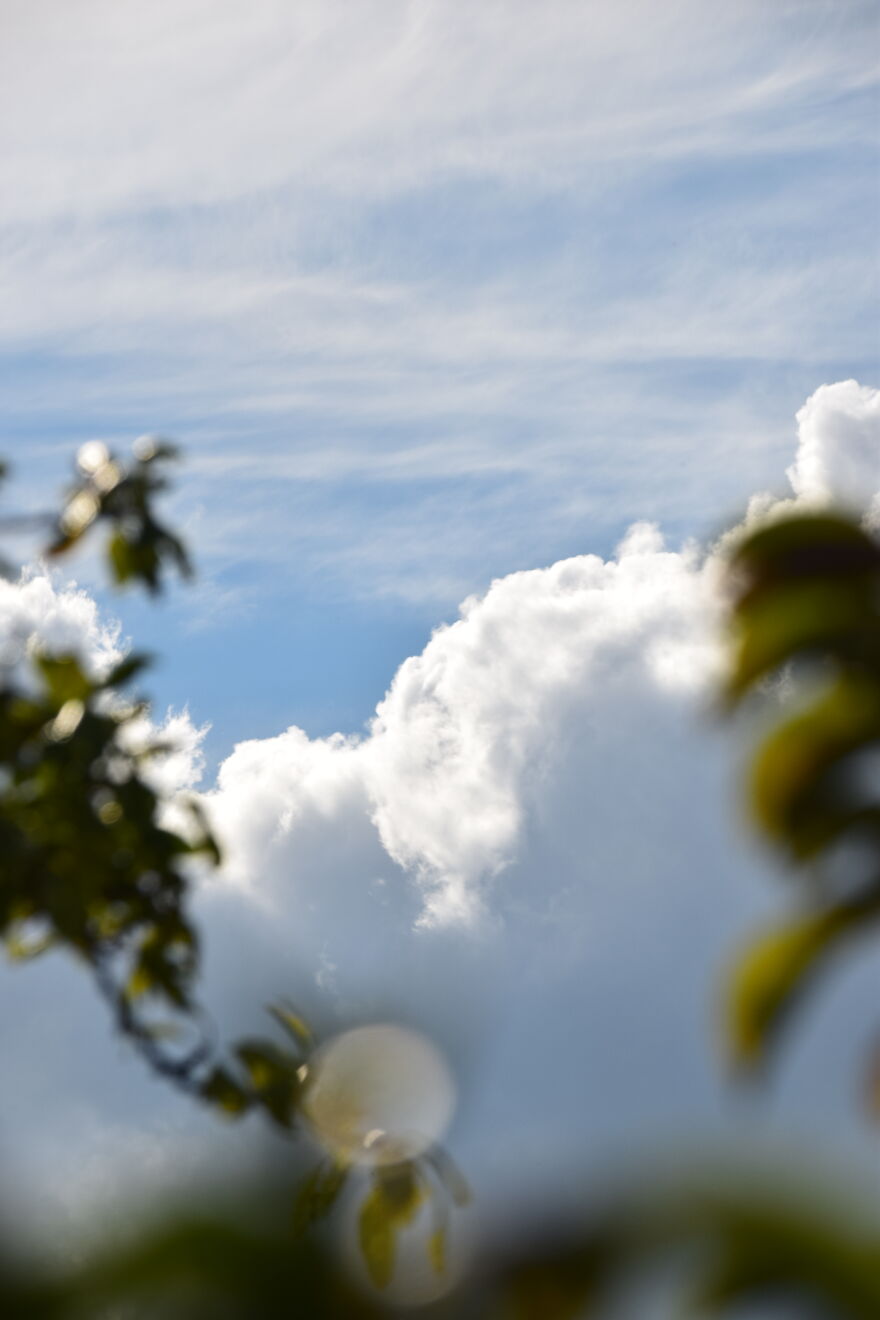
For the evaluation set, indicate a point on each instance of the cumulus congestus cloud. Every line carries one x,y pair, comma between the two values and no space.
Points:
454,771
537,840
532,852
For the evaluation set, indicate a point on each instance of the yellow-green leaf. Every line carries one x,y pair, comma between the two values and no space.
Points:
295,1025
437,1250
775,969
391,1204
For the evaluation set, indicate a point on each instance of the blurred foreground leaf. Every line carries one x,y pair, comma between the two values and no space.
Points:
777,968
392,1203
806,602
122,495
745,1243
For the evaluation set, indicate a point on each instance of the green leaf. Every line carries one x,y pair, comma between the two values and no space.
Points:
801,548
223,1091
799,793
812,618
437,1250
392,1203
273,1076
775,970
127,669
318,1194
293,1024
805,586
64,678
21,948
122,558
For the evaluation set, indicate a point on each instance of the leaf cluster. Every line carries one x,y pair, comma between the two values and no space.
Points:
806,610
121,496
396,1193
88,866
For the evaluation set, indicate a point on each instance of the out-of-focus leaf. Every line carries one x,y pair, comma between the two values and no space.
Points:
450,1175
807,587
293,1024
391,1204
202,1269
804,586
21,948
273,1075
746,1241
64,678
206,842
122,558
761,1250
558,1288
123,495
800,793
775,970
805,620
85,864
437,1249
128,669
223,1091
318,1194
802,547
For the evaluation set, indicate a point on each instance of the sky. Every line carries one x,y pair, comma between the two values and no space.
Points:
511,306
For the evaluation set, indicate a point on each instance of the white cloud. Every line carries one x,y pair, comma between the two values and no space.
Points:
561,817
38,612
460,749
839,456
64,619
533,853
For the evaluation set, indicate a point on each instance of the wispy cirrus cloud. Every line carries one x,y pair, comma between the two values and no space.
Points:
416,244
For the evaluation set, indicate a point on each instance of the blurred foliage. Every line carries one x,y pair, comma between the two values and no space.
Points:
805,621
89,864
121,496
189,1267
736,1241
86,866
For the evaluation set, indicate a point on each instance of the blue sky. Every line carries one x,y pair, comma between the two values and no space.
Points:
425,297
434,297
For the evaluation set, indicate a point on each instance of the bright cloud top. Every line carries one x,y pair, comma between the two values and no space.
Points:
461,742
839,456
518,855
461,749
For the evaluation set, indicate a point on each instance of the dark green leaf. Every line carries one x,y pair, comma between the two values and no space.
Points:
318,1194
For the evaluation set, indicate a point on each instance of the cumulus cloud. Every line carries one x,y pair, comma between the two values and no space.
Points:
532,852
838,458
39,612
540,790
34,611
462,743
